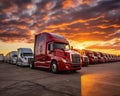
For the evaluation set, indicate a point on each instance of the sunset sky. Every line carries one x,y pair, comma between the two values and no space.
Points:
90,24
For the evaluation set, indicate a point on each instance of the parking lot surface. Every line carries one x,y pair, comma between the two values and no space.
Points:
94,80
101,80
23,81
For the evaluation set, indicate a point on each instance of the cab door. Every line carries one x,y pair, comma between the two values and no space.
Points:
49,53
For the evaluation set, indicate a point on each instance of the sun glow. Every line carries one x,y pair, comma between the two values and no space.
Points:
79,47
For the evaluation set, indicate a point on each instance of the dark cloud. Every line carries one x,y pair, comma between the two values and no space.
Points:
91,20
21,2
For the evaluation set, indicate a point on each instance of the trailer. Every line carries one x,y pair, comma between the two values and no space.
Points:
13,57
1,58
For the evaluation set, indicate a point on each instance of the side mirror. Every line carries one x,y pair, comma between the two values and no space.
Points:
71,47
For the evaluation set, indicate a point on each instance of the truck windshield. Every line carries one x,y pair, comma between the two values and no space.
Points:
91,54
14,56
27,54
61,46
98,55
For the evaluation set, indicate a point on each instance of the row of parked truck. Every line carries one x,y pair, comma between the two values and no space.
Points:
53,52
93,57
19,57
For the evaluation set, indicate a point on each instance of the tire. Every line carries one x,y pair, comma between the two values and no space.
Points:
54,67
12,62
86,65
17,64
74,71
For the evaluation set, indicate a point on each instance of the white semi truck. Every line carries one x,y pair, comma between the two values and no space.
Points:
7,58
23,56
1,58
13,57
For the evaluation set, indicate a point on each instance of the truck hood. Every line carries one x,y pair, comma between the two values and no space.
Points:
65,53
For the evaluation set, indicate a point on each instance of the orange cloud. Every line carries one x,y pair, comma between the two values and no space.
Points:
68,3
86,1
85,23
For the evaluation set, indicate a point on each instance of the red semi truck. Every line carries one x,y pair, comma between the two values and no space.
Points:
105,59
100,58
84,57
92,58
53,52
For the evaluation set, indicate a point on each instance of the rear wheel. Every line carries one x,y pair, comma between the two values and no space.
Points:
54,67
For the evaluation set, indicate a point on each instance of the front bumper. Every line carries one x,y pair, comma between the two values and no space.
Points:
68,66
85,63
25,64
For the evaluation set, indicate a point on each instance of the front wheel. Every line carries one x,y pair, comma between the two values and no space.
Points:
17,63
31,65
86,65
12,62
54,67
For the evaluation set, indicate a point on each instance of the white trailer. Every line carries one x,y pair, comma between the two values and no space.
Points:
1,58
7,58
13,57
23,56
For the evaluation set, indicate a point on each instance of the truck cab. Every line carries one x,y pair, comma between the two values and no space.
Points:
23,55
92,58
13,57
53,52
105,59
100,58
1,58
84,57
7,58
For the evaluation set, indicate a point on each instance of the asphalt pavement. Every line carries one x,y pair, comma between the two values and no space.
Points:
23,81
101,80
94,80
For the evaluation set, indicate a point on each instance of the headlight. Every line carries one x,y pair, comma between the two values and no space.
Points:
64,60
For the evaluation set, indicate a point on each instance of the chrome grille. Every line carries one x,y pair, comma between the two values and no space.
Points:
75,58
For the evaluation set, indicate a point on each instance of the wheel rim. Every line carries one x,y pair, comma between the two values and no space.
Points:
54,67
